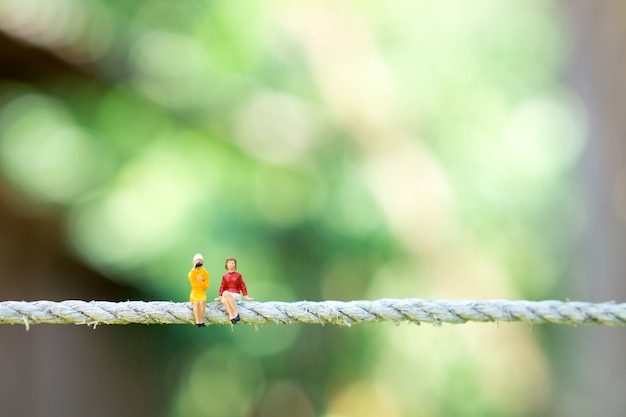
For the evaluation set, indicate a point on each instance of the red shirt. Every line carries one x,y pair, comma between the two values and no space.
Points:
233,282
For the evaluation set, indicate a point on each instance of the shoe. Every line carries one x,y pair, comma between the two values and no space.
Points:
200,325
235,320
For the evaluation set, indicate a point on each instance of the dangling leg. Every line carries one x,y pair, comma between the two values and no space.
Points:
231,308
198,312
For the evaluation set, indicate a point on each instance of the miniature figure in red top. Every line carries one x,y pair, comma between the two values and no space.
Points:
231,289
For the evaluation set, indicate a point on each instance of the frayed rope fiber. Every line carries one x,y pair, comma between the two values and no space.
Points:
323,312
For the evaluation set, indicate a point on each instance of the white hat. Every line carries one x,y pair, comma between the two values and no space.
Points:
198,256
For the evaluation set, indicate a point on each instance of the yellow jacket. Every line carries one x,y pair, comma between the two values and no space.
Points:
199,280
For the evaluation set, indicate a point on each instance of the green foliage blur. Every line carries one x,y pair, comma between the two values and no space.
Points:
339,150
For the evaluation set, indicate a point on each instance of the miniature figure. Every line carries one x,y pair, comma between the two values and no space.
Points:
199,280
231,289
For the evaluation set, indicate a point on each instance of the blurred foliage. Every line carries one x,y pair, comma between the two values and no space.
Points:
340,150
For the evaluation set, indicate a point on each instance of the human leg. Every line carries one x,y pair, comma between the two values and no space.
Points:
231,307
198,311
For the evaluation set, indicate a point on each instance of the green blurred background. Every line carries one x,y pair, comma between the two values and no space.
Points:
339,150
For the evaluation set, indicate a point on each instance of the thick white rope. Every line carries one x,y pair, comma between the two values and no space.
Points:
324,312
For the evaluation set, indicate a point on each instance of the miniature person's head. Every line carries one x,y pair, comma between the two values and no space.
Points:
231,264
198,260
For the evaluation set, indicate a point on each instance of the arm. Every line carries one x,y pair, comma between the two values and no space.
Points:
206,280
243,288
221,291
222,286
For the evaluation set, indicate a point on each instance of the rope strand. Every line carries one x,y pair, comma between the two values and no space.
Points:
324,312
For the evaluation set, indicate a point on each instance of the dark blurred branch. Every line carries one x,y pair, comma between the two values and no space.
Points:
24,62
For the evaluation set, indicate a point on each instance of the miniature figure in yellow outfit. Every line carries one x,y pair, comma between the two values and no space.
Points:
199,280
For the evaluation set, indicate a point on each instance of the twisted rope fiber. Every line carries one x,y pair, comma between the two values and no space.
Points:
323,312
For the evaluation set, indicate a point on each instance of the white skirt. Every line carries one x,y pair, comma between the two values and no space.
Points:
236,296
